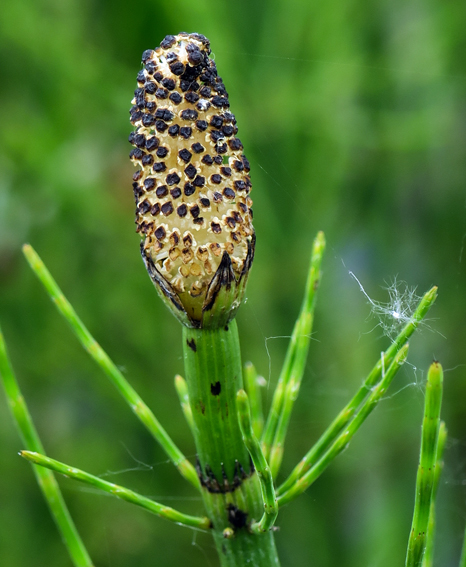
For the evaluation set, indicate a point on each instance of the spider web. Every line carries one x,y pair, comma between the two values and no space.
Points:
397,311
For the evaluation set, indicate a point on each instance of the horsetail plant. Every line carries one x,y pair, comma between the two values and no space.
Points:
193,211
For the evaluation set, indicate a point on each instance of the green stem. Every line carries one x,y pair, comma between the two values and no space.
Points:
426,471
341,442
45,478
231,488
291,375
118,491
130,395
347,413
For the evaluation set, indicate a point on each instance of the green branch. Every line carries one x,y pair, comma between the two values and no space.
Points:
428,555
118,491
347,413
463,553
262,468
289,382
133,399
45,478
253,389
182,390
341,442
426,471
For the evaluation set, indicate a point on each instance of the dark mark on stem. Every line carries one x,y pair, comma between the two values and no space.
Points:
192,344
215,388
236,517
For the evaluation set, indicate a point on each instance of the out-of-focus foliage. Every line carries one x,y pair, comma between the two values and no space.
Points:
353,116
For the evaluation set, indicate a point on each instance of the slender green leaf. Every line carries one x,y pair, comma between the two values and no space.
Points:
347,413
118,491
130,395
260,463
253,389
429,553
182,391
45,478
426,470
289,382
341,442
463,553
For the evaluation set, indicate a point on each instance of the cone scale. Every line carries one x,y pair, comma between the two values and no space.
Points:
192,185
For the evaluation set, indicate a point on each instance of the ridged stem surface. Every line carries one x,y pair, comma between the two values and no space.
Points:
427,464
230,485
428,560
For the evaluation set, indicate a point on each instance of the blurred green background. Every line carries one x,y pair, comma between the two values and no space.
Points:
353,116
